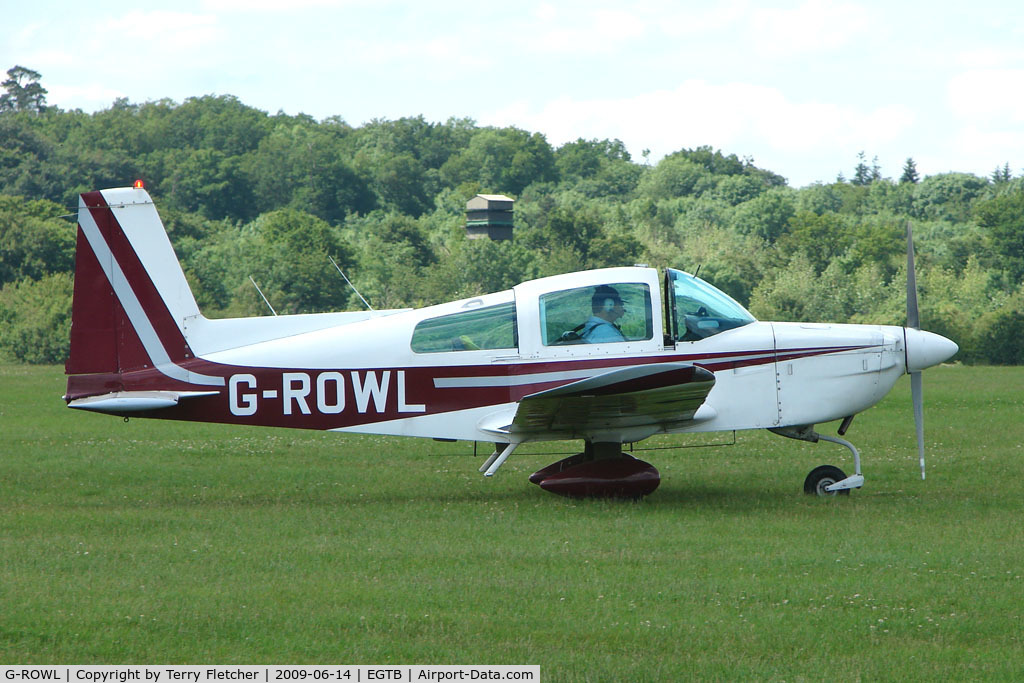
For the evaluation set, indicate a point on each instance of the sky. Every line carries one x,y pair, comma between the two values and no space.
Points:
800,87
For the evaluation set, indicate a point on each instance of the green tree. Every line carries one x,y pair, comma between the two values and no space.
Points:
947,196
504,160
820,198
1002,217
431,144
955,304
876,240
401,183
219,122
579,230
29,166
395,228
35,319
304,166
597,168
862,172
999,341
1002,174
799,293
767,216
675,176
910,174
735,189
819,239
473,267
287,252
587,158
209,182
713,160
24,92
34,242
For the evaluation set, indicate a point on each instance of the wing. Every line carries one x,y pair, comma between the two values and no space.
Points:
619,404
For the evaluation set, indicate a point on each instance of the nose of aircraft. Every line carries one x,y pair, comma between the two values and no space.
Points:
925,349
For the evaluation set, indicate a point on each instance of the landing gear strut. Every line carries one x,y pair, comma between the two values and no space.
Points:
826,480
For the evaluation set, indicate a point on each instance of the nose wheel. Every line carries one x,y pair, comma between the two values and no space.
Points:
826,480
823,476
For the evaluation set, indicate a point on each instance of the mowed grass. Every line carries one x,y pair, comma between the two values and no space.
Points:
162,542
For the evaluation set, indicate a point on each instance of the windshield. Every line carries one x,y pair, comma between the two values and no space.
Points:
696,310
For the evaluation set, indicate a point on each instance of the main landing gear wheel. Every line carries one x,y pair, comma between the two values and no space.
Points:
822,476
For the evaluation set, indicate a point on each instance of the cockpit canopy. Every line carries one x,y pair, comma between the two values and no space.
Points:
610,306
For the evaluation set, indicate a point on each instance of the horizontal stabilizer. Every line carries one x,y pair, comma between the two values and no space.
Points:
119,402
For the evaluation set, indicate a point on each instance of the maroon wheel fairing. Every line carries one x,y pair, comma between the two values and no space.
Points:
560,466
621,477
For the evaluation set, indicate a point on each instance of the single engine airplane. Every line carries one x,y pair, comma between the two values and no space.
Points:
607,356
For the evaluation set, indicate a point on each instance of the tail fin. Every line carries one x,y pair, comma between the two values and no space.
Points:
131,299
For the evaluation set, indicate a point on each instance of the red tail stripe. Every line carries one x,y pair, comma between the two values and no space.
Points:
124,254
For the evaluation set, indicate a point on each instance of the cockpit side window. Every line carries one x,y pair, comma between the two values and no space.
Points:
698,310
493,327
615,312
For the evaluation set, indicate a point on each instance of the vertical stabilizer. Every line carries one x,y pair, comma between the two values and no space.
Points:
131,298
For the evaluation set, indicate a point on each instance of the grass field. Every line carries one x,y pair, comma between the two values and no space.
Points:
156,543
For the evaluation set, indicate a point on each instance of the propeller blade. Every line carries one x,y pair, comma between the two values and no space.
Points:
913,317
917,394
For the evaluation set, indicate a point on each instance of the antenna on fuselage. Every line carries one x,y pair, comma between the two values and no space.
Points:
261,294
350,283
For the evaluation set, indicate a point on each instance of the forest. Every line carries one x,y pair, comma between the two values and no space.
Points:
247,194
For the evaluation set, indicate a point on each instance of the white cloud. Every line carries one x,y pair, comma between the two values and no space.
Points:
990,56
291,6
816,25
34,32
979,149
994,96
733,116
434,56
719,16
85,97
164,30
581,30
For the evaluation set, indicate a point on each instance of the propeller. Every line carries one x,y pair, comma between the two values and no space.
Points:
914,322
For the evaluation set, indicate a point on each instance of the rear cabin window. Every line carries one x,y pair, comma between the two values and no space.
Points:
493,327
616,312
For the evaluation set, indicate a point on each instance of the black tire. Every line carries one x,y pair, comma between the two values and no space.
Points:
822,476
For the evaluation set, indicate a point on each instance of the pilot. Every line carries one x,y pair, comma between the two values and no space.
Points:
607,307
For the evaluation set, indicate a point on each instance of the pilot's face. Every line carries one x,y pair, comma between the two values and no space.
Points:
618,311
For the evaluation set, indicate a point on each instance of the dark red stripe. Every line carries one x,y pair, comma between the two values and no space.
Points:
138,278
419,383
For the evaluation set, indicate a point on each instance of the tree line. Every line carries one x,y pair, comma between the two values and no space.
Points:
274,197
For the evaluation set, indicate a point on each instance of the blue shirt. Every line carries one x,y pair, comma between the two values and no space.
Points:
598,331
